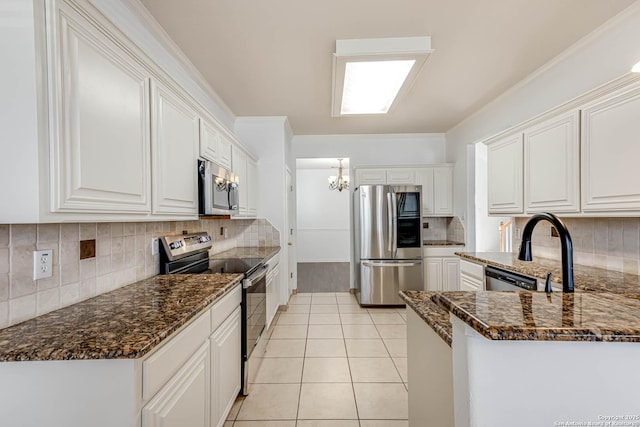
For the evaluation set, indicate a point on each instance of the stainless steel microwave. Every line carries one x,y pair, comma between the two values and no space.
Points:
217,190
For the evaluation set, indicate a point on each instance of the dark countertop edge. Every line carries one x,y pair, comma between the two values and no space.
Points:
439,327
441,243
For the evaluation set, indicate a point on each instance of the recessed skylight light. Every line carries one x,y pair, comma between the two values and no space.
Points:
369,75
370,87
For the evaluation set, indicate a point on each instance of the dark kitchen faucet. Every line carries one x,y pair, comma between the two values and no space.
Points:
565,243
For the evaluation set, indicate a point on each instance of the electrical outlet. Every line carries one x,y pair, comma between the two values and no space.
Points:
425,225
518,233
42,264
155,245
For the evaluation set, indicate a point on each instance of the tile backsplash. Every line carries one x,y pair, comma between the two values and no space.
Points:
611,243
444,228
123,256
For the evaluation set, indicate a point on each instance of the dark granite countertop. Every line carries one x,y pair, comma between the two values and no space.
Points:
441,243
435,316
265,252
606,306
585,278
125,323
523,315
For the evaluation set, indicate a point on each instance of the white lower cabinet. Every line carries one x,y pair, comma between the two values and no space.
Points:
225,367
184,400
471,276
441,268
273,289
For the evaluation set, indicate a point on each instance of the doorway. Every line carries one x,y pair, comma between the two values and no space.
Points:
323,227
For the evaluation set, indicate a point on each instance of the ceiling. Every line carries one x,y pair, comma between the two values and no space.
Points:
274,58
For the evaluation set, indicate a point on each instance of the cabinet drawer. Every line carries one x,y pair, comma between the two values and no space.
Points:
441,251
223,308
472,269
469,284
161,366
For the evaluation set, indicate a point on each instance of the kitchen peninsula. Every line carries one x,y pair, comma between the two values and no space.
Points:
528,358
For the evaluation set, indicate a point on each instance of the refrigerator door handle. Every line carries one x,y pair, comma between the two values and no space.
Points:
391,264
390,228
394,218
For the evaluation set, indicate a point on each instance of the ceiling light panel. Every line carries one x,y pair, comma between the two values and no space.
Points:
370,75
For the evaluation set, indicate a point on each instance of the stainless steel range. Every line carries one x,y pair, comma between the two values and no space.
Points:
189,254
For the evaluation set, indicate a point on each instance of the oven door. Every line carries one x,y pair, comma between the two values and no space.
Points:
254,305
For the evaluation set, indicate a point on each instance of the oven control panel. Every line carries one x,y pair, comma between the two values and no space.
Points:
179,246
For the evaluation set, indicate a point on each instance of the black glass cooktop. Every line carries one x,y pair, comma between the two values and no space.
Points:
233,265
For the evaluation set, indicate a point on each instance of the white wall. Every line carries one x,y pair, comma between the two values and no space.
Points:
323,218
607,53
373,149
268,138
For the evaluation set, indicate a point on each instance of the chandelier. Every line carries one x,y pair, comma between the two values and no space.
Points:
339,182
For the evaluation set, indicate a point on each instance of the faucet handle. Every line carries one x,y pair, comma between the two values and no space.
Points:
547,285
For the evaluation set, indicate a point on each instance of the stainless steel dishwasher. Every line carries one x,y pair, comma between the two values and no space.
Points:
500,280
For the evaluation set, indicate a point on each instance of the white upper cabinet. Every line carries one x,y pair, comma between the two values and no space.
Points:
551,167
214,145
175,143
442,190
437,190
610,152
371,176
252,178
99,109
424,177
505,175
239,162
401,176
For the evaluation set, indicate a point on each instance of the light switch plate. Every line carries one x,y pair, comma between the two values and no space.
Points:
42,264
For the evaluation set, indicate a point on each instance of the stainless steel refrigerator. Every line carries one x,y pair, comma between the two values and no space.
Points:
387,222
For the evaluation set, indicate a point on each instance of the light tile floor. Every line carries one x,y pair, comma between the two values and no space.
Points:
330,363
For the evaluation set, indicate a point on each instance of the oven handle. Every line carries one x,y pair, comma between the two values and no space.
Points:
255,277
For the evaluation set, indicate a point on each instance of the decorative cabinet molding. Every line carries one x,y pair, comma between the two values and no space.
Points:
184,400
551,165
505,177
214,145
442,191
610,153
252,187
245,169
175,144
399,176
99,117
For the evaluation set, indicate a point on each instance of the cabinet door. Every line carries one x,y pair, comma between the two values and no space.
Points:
184,400
401,176
175,144
371,176
610,153
424,177
469,284
209,141
551,168
224,152
433,274
239,159
226,361
443,191
100,121
450,274
505,175
252,178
